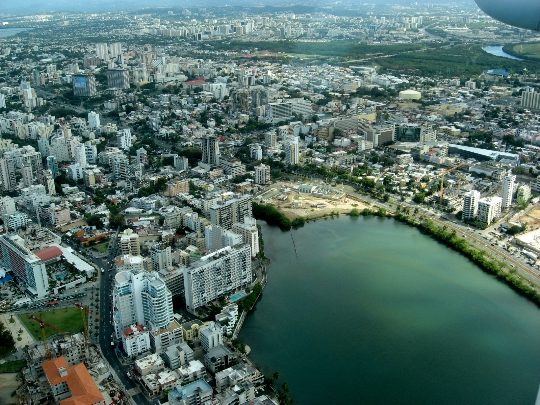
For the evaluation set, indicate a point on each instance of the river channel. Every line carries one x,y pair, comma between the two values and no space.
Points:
371,311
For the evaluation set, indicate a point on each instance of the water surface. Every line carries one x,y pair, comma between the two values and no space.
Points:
374,312
498,51
8,32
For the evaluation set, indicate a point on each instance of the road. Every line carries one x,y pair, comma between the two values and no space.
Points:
106,328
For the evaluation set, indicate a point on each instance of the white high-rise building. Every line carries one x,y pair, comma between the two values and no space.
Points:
489,209
508,184
27,268
115,49
210,150
262,174
93,120
227,213
7,174
102,51
80,155
530,99
216,274
250,233
141,298
470,204
292,151
124,139
161,257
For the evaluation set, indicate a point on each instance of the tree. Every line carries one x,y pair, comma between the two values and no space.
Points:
7,343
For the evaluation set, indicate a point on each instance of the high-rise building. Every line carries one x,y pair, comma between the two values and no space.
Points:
161,257
227,213
129,243
102,51
93,120
115,49
84,85
142,156
216,274
213,236
120,167
270,139
508,184
210,150
530,99
27,175
489,209
27,268
80,155
141,298
7,173
118,78
52,165
250,233
292,151
124,139
262,174
470,204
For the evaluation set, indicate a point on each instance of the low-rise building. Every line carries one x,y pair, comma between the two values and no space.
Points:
197,392
136,340
178,355
150,364
191,371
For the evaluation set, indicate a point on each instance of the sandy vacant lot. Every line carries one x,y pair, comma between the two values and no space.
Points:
531,217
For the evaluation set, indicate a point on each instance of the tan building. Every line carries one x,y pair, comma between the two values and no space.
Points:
191,330
176,187
129,243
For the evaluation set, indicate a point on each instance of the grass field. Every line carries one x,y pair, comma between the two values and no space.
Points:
102,247
64,319
12,366
526,50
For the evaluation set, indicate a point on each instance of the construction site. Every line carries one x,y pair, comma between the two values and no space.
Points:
66,365
309,200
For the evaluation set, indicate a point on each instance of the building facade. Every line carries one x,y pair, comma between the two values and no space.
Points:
217,274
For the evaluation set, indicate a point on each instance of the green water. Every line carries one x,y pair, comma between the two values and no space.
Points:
374,312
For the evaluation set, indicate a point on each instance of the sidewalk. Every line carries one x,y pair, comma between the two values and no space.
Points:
26,337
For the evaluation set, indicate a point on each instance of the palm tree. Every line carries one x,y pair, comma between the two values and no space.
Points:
276,376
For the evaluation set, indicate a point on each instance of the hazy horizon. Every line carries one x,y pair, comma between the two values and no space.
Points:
26,7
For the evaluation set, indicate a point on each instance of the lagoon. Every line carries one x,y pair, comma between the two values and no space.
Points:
497,50
8,32
373,311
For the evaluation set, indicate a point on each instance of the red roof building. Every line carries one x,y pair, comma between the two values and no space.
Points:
50,254
71,385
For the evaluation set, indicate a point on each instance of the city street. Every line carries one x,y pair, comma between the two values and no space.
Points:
106,329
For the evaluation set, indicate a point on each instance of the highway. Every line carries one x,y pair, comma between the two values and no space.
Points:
106,328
